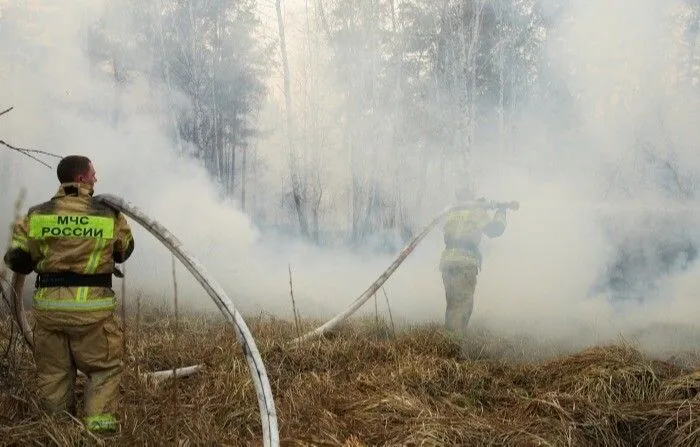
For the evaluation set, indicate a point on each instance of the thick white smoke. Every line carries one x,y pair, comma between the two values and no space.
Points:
620,61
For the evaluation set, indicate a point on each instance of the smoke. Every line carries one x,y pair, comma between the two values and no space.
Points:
618,195
65,105
621,66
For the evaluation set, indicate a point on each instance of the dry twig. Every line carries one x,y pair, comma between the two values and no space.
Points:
31,153
176,350
294,305
351,389
391,318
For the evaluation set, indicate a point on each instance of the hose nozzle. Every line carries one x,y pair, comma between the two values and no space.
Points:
512,205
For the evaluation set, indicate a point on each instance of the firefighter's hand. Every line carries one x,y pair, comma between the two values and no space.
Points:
503,206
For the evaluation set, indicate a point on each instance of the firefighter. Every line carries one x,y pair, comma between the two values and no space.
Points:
72,242
461,260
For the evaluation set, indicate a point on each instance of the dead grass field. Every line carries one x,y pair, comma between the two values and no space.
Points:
361,386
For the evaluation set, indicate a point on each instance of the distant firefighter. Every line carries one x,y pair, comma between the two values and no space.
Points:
461,260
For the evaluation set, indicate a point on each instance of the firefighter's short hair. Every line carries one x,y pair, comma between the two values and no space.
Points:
70,167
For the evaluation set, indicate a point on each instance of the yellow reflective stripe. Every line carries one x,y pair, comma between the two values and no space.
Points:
74,305
95,256
44,249
82,294
459,255
43,226
106,417
20,242
459,222
101,422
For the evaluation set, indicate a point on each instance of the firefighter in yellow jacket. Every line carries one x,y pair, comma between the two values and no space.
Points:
461,260
72,242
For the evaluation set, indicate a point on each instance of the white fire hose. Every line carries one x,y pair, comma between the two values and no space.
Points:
261,382
403,254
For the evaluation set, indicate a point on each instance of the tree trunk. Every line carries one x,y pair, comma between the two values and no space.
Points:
471,69
297,191
244,157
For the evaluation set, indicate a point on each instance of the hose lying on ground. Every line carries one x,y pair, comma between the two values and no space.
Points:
403,254
21,317
168,374
258,373
255,364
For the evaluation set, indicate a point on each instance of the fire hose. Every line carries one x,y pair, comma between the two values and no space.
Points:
17,284
261,382
403,254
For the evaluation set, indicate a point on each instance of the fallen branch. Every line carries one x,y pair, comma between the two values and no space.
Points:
5,111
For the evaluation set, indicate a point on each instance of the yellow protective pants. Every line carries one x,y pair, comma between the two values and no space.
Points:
460,284
96,350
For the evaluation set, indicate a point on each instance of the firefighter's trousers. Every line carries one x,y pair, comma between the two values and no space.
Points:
96,350
460,284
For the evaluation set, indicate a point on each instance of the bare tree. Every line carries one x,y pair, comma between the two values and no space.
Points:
298,188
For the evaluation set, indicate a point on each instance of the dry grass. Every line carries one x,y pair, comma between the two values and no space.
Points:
361,387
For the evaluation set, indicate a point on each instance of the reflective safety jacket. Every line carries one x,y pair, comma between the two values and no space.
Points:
72,242
463,232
